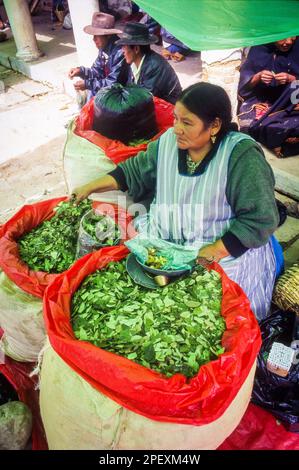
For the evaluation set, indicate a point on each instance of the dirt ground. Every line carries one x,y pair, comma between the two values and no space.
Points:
32,122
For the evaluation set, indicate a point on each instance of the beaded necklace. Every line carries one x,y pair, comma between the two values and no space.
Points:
191,165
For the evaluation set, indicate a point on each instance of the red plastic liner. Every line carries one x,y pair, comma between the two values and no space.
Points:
17,373
114,149
29,217
259,430
197,401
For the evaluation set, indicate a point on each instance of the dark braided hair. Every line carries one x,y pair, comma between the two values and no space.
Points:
208,101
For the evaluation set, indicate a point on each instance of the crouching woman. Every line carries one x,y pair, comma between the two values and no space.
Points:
217,186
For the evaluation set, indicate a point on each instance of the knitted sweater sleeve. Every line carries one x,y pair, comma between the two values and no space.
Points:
250,193
138,174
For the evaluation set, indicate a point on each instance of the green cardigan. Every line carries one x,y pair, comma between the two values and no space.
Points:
249,190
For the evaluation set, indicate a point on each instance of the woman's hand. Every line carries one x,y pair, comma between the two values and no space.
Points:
82,192
105,183
213,252
266,76
74,72
283,78
80,85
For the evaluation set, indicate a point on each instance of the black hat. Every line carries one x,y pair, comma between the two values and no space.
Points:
136,34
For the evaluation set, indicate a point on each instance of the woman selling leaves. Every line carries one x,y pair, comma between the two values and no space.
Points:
213,190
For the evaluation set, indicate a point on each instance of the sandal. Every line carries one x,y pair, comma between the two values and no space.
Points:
292,140
292,208
166,54
177,57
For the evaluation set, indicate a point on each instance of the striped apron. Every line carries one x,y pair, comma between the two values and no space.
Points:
193,210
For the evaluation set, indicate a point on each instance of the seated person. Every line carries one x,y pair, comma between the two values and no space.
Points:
58,11
214,191
110,66
118,8
172,47
153,26
267,111
148,68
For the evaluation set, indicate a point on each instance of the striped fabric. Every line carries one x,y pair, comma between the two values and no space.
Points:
193,210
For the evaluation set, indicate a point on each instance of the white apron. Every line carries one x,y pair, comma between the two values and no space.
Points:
193,210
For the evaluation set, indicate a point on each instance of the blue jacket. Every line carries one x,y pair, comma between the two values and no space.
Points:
106,71
158,77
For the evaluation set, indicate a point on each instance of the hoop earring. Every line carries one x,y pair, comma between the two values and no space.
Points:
213,139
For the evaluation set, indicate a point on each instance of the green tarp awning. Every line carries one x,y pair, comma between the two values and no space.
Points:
224,24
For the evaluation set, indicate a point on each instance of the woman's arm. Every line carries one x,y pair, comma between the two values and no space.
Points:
255,70
213,252
137,175
250,193
264,76
96,81
100,185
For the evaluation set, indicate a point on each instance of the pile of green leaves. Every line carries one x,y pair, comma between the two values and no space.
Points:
51,247
170,330
101,228
137,142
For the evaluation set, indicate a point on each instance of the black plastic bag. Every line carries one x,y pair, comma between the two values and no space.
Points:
279,395
125,113
7,392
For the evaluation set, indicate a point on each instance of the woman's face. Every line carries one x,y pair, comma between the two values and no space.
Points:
190,130
130,53
285,44
101,41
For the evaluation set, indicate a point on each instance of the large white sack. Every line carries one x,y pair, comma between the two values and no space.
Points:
83,162
77,416
21,319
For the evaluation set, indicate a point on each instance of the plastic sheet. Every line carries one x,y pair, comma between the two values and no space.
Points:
210,24
259,430
177,256
27,218
198,401
18,374
279,395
